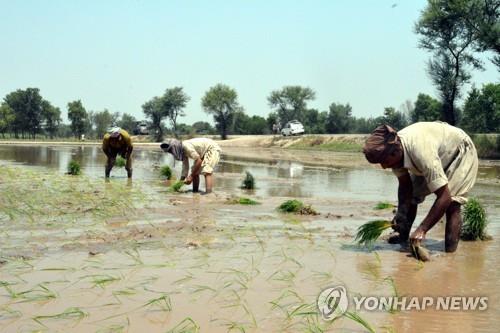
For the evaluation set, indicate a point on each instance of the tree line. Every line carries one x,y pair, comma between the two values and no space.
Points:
455,32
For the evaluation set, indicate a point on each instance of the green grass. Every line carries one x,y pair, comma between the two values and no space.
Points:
297,207
249,182
474,221
74,168
120,162
166,172
371,231
384,205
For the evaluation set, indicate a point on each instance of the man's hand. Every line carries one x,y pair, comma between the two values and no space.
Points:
417,236
188,180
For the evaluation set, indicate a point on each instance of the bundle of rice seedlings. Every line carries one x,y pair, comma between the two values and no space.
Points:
248,182
247,201
176,187
384,205
166,172
120,162
74,168
371,231
474,221
420,252
297,207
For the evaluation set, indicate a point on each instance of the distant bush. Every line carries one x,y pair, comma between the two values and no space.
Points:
487,145
166,172
74,168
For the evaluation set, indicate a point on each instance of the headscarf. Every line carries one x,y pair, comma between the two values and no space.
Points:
114,131
174,147
382,142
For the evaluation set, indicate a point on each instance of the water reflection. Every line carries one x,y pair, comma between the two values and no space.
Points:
273,178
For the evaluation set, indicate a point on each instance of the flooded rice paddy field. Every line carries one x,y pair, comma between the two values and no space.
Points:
82,254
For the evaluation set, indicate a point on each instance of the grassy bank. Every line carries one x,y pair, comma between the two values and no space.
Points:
487,145
327,143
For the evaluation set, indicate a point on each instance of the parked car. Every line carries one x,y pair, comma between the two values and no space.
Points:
293,127
141,129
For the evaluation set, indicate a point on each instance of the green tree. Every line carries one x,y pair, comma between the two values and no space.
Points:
426,109
395,119
174,100
102,121
339,119
444,32
221,101
315,121
482,110
27,107
51,118
6,118
290,102
203,127
78,117
127,122
154,111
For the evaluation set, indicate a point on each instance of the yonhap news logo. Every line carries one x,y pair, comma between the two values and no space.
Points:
333,302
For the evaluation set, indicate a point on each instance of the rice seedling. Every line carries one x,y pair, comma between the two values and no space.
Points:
249,182
74,168
176,187
120,162
163,303
187,325
166,172
37,293
384,205
357,318
70,313
297,207
371,231
474,221
7,313
102,280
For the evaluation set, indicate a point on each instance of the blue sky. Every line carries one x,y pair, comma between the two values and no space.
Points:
119,54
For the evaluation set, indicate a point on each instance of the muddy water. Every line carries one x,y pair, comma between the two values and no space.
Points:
229,266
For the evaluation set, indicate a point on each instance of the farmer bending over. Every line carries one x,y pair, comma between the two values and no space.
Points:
427,157
205,153
117,141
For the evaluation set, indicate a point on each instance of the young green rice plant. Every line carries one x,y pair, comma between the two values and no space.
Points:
371,231
249,182
384,205
163,303
354,316
187,325
120,162
474,221
70,313
166,172
74,168
176,187
297,207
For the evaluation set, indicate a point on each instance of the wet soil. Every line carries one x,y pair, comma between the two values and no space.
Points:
133,257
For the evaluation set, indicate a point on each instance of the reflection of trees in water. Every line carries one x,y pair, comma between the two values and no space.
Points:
287,190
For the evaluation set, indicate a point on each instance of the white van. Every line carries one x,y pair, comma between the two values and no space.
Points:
293,127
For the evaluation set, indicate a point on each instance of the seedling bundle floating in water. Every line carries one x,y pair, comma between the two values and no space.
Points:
166,171
297,207
120,162
176,187
371,231
475,221
74,168
384,205
248,182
